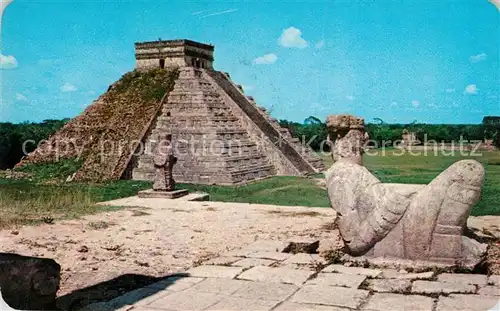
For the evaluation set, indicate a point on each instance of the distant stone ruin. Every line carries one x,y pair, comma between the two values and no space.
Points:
403,221
221,135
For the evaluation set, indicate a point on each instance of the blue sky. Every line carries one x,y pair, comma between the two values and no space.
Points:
431,61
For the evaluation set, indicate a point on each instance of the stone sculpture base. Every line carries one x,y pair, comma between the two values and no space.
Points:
150,193
29,283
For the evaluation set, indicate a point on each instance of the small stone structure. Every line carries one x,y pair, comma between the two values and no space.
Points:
417,222
409,139
173,53
164,161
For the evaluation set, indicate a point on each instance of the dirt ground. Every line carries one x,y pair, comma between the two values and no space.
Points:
160,240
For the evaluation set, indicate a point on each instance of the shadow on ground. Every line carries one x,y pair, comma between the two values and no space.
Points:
127,287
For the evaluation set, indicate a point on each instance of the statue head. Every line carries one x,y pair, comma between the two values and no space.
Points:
349,137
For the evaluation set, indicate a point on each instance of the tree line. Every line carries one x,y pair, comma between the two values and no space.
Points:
13,136
313,130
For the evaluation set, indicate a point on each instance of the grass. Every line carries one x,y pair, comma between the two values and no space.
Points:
45,197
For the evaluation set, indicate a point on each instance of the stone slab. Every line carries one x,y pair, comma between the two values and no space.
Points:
431,287
270,255
372,273
252,262
150,194
292,306
475,279
389,285
186,300
222,261
305,259
466,303
489,291
337,279
329,295
197,197
208,271
266,291
219,286
233,303
397,302
175,283
396,274
276,275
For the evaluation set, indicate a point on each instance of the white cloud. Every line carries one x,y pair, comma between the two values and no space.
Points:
415,103
267,59
450,90
8,62
68,87
247,87
394,104
20,97
478,58
471,89
292,38
350,97
320,44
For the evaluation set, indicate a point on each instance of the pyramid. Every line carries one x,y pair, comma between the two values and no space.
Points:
220,135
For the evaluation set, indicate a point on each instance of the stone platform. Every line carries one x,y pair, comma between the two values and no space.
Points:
259,277
150,193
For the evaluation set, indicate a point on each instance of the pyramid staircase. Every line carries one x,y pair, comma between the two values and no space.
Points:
211,144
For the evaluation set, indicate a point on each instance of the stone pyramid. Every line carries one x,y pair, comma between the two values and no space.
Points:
221,136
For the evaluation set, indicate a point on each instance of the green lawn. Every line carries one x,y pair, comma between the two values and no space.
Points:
45,197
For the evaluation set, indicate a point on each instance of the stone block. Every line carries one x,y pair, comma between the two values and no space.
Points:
337,279
222,261
265,291
292,306
466,303
329,295
186,300
389,285
219,286
397,302
371,273
208,271
140,297
489,291
150,194
252,262
270,255
305,259
233,303
475,279
276,275
430,287
395,274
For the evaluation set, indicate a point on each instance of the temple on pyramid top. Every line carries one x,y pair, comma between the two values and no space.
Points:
173,53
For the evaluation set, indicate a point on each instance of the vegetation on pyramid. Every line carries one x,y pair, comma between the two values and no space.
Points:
105,136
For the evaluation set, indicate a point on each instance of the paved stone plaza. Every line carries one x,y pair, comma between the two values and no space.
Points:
258,277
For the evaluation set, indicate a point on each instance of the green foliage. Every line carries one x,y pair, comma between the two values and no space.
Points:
12,137
52,171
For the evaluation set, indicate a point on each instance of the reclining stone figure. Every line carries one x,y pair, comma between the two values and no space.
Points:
417,222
